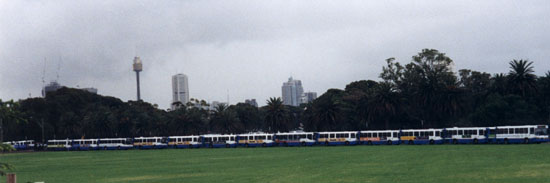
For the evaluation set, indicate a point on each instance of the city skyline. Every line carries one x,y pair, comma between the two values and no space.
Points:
245,50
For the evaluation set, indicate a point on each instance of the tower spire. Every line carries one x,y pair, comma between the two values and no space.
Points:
137,68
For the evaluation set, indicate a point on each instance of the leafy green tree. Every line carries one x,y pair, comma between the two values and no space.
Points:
423,81
249,116
9,113
543,99
329,111
384,104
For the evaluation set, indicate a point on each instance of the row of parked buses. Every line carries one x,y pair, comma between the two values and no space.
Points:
470,135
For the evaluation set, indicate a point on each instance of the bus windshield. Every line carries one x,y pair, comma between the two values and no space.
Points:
541,131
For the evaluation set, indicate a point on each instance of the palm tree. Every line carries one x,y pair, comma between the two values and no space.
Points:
384,104
277,117
225,120
521,78
499,84
330,111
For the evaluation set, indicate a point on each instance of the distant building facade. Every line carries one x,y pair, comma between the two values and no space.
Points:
309,97
252,102
292,92
180,90
91,90
51,87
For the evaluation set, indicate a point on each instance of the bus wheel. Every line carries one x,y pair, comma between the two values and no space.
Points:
304,144
227,146
411,142
476,141
526,141
347,143
432,142
389,142
190,146
264,145
118,148
285,144
326,143
369,142
105,148
211,146
455,141
246,145
505,141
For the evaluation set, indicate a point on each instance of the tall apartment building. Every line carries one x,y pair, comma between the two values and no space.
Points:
292,92
180,90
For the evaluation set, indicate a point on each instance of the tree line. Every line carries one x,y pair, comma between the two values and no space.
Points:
424,93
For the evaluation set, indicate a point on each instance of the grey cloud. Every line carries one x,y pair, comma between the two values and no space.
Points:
251,47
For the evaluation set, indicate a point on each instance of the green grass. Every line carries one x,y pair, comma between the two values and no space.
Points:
438,163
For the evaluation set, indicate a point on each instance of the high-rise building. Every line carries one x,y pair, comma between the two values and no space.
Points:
309,97
292,92
180,90
137,68
252,102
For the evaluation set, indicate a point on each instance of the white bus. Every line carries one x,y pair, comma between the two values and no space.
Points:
295,138
149,142
115,143
218,140
23,144
466,135
522,134
59,145
379,137
337,138
184,141
421,136
84,144
255,139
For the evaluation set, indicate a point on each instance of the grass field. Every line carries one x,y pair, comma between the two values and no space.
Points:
439,163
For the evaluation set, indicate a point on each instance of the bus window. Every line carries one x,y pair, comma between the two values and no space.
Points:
438,133
331,135
353,135
481,132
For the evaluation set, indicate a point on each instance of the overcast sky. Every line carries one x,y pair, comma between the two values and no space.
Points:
247,49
